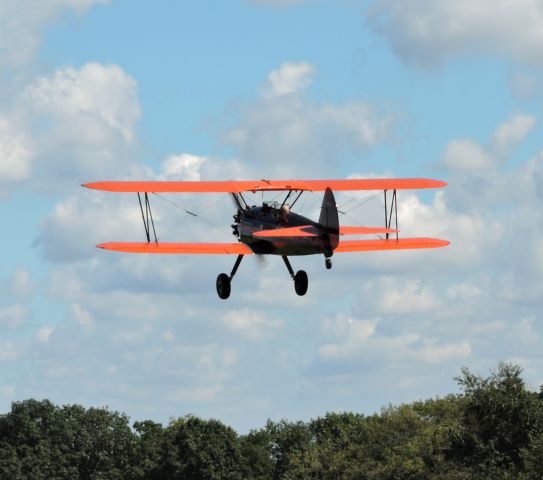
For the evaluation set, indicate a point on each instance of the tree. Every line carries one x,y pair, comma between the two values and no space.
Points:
499,420
41,441
201,449
256,450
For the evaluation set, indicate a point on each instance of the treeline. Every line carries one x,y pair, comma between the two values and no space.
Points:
492,430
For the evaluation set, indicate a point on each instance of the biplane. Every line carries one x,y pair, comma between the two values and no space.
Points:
272,228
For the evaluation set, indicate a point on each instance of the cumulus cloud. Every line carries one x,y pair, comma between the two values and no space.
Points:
428,33
290,77
21,284
22,23
9,352
467,155
16,153
284,134
252,325
510,134
13,317
82,123
361,338
89,100
79,223
406,297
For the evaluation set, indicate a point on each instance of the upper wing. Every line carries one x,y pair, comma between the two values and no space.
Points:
178,248
234,186
391,244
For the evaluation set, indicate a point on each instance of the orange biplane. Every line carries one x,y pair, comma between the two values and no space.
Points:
272,228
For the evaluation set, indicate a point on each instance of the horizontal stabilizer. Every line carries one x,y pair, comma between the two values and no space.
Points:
303,231
365,230
390,244
233,186
311,231
178,248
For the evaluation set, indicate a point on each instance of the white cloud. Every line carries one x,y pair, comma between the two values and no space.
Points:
428,33
434,353
251,324
466,155
9,351
90,101
510,134
44,333
77,224
182,167
283,135
82,317
16,153
22,23
83,126
290,77
358,339
14,316
21,284
406,297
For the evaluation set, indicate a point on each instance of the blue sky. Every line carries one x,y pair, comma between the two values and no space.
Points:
95,90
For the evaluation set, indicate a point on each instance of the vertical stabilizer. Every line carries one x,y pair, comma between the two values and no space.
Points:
329,219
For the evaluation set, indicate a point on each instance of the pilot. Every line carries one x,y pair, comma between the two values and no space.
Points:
285,210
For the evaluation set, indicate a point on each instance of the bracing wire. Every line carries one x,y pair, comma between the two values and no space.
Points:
188,212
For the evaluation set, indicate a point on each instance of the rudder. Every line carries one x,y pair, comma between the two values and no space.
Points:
329,219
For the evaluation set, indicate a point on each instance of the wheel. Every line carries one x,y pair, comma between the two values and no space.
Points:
300,282
328,263
223,286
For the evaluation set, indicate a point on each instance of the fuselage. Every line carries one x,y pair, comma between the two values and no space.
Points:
269,217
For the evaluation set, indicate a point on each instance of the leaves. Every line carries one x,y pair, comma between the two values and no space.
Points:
492,430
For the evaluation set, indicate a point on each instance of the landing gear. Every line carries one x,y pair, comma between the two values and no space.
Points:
300,282
300,278
328,263
223,286
224,281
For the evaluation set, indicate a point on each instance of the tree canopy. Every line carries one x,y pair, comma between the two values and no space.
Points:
492,429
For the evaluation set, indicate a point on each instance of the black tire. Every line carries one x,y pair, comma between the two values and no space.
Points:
223,286
300,282
328,263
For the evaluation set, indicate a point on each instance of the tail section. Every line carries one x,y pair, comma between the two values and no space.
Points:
329,220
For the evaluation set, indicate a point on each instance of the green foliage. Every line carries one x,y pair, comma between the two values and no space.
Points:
492,430
41,441
500,419
201,449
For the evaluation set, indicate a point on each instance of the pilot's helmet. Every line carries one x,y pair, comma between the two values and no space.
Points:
285,209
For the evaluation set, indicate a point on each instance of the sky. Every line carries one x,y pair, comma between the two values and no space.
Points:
247,89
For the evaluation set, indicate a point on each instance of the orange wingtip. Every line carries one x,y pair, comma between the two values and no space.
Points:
390,244
178,248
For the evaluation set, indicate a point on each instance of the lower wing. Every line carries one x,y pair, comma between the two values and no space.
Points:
390,244
242,249
178,248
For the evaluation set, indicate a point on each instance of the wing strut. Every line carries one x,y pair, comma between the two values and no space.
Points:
147,217
388,216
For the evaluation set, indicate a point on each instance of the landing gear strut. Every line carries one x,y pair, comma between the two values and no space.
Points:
224,281
300,278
